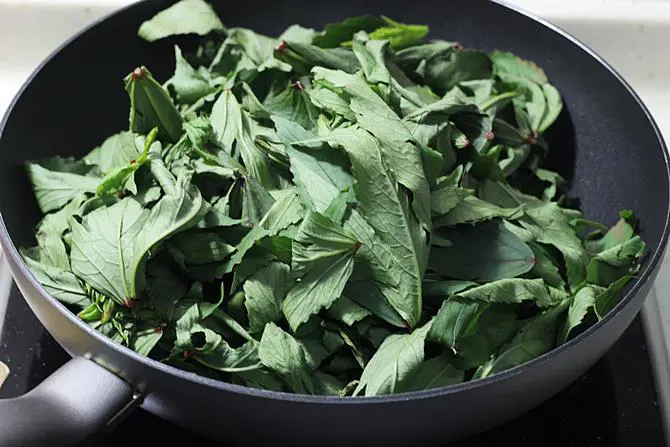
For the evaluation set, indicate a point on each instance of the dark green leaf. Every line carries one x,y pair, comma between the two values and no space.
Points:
484,252
535,338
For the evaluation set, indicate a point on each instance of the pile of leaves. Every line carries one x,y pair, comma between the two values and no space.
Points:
357,210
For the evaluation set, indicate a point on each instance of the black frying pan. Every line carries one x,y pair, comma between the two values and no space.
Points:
605,142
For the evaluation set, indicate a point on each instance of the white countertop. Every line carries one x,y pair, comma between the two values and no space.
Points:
631,35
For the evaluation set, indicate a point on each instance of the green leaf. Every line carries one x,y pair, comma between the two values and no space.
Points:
505,62
554,106
265,292
151,106
437,372
547,223
256,201
50,264
326,385
297,33
444,288
115,152
257,47
399,35
445,197
455,319
622,231
303,57
375,116
256,160
189,85
226,119
201,247
494,327
607,300
293,104
117,179
396,360
536,337
286,356
384,208
103,252
57,221
323,254
347,311
614,263
447,67
484,252
319,175
545,266
583,301
145,340
110,245
184,17
326,99
284,212
338,207
472,210
224,358
515,291
54,183
335,34
371,296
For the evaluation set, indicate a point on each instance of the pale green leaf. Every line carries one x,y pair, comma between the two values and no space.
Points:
184,17
395,361
265,291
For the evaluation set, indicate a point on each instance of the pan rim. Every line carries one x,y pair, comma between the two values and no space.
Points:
654,258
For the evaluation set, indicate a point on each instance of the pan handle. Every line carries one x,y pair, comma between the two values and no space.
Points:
76,401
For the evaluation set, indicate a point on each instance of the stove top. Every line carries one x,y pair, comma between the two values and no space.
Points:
613,404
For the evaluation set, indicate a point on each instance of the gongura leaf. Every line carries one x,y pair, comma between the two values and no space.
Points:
457,316
57,181
396,360
536,337
323,256
434,373
110,244
184,17
189,85
347,311
284,354
151,106
115,152
264,294
384,208
375,116
484,252
515,290
50,264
